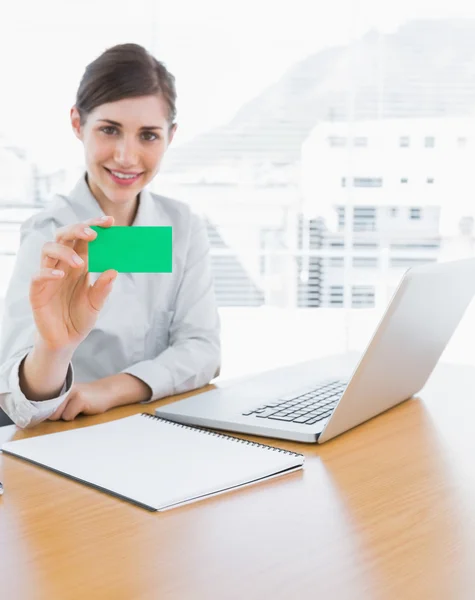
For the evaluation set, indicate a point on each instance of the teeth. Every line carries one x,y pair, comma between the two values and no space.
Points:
122,176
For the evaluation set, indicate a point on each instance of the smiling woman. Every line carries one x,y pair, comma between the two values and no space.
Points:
125,116
123,155
71,345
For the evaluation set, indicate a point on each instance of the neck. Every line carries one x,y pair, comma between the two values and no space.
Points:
124,214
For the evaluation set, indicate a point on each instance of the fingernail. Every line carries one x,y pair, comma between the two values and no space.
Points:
104,218
57,272
88,231
78,260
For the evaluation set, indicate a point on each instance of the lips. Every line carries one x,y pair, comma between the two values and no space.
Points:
123,182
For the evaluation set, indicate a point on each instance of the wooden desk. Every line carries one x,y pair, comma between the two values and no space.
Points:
385,511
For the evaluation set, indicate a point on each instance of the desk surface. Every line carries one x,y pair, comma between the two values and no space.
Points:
385,511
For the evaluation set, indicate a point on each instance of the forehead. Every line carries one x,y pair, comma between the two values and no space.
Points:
144,110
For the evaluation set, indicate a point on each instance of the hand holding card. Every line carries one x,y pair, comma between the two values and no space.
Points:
64,303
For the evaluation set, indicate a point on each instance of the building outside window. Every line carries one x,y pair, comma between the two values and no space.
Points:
362,296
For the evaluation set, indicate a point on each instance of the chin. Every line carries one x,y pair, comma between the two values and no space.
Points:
122,196
118,194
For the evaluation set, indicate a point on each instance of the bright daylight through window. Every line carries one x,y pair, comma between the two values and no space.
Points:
327,153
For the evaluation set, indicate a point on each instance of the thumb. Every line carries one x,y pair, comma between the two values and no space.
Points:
101,289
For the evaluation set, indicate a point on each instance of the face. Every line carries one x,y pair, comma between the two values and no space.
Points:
124,143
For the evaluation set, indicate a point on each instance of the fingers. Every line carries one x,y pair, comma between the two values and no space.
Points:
58,413
77,236
101,289
81,231
47,275
73,408
39,292
81,244
39,281
53,253
105,221
70,408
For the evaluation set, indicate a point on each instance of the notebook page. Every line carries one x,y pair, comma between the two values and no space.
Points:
154,462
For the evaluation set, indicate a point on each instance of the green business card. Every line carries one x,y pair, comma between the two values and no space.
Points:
131,250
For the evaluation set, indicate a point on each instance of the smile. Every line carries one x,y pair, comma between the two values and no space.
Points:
123,178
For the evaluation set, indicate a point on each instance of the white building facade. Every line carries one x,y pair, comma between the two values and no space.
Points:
392,194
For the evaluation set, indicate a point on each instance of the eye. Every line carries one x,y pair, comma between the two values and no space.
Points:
109,130
149,136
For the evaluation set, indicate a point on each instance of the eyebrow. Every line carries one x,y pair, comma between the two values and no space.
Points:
119,125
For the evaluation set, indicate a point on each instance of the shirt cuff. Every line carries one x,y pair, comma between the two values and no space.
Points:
157,377
28,412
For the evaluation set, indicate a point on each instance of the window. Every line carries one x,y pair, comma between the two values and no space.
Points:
362,296
418,246
365,262
336,261
406,262
341,217
336,141
364,218
336,295
368,182
331,139
366,245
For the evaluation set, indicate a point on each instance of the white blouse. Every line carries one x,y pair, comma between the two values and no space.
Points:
160,327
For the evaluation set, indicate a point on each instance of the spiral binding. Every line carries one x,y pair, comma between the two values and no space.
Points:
221,435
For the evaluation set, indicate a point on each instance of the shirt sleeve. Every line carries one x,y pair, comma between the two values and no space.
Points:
193,356
17,337
24,412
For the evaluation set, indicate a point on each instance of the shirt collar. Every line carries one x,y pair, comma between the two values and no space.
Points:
85,206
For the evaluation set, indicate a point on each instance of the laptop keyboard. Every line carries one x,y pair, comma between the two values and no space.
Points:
306,407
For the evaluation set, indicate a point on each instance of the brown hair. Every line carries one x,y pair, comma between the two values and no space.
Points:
124,71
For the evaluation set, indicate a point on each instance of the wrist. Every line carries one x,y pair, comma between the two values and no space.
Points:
62,355
43,372
128,389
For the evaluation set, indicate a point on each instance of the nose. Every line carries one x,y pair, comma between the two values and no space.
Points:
126,154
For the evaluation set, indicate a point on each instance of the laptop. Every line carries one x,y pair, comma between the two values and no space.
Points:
315,403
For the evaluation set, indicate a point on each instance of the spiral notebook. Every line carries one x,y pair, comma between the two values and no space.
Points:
155,463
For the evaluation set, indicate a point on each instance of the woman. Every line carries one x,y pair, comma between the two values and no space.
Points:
76,343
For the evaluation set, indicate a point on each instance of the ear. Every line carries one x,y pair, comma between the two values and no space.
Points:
171,132
76,122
